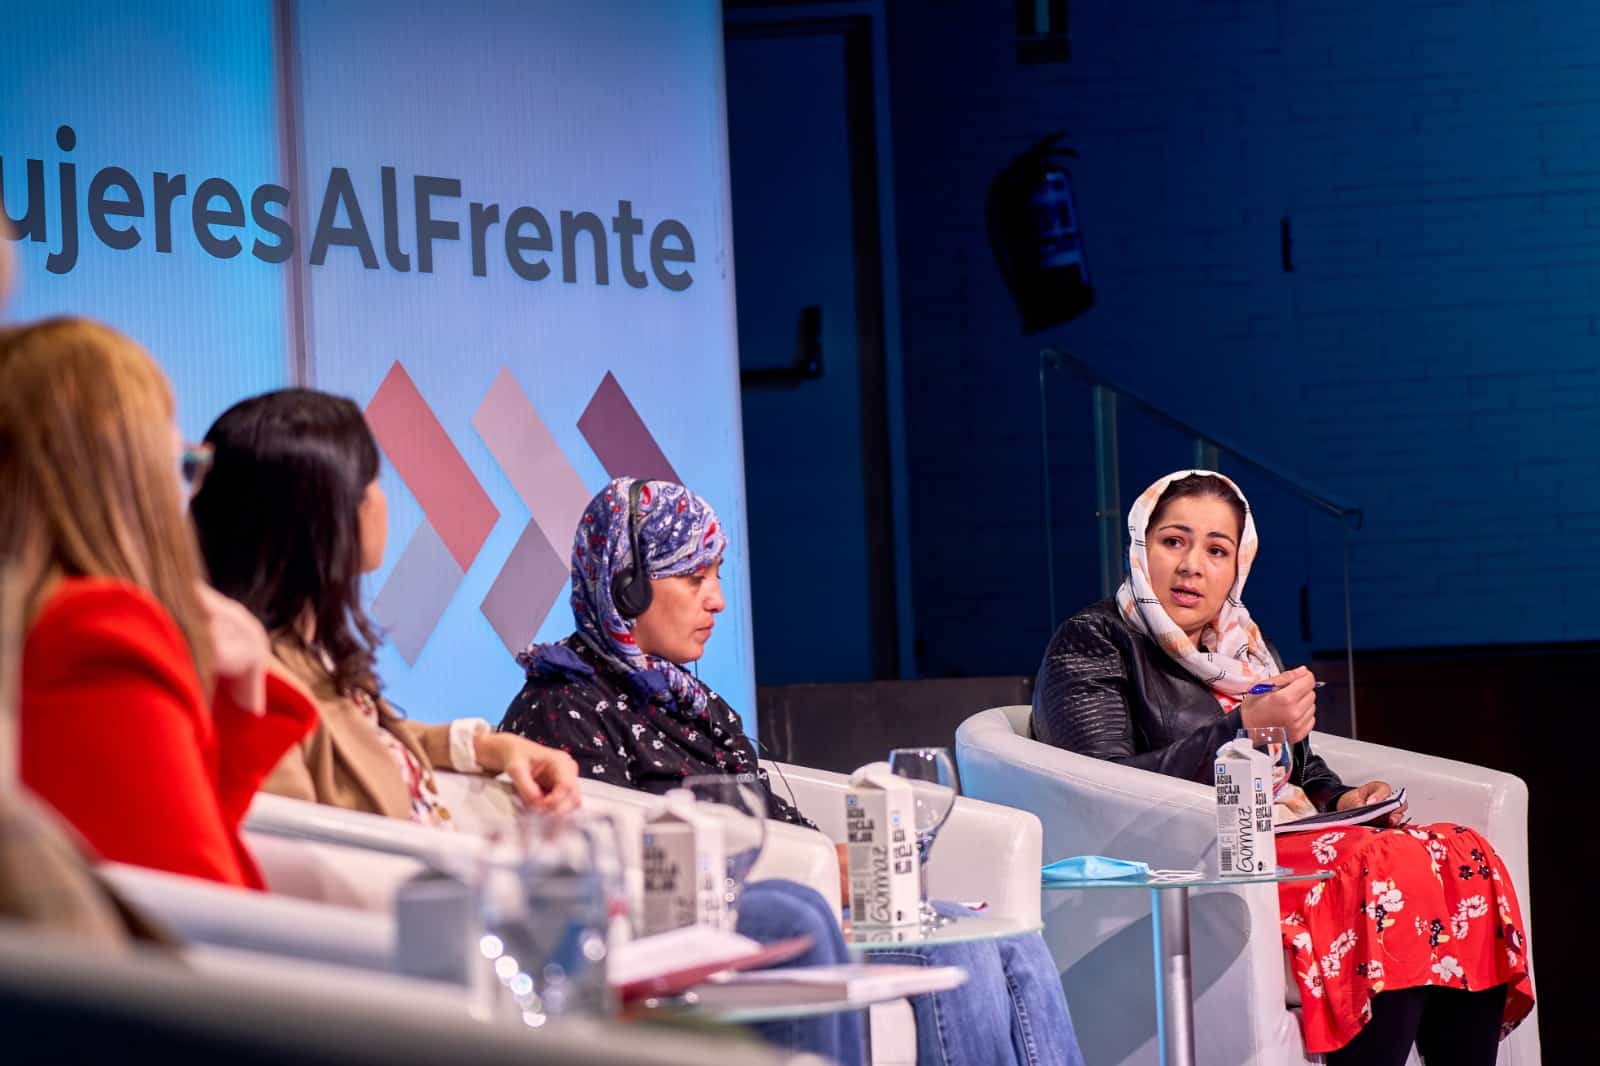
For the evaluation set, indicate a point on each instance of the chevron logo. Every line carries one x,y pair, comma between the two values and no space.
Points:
458,514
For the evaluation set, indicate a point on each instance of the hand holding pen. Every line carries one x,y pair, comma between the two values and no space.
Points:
1266,687
1289,700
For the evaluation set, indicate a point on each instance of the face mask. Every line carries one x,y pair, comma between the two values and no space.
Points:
1094,868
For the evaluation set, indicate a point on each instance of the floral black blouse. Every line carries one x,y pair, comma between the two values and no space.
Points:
594,713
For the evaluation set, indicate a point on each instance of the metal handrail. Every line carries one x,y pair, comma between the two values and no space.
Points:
1347,512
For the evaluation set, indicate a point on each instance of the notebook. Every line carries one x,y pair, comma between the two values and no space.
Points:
1335,819
862,983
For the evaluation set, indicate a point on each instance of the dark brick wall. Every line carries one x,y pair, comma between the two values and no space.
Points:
1432,356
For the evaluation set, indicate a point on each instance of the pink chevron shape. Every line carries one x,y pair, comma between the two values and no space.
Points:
620,438
520,441
525,589
416,594
459,514
426,460
539,472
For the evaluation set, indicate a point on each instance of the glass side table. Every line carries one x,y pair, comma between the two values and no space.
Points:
952,930
1169,911
688,1006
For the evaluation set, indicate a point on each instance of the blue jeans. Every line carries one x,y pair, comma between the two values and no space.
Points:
777,910
1011,1010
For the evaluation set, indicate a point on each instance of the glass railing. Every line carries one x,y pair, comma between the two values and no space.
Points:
1300,582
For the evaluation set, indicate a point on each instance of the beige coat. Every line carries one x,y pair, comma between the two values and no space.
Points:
343,762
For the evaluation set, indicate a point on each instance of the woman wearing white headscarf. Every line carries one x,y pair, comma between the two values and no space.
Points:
1418,937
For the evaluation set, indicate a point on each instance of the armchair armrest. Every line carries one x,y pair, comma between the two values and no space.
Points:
1007,842
1096,807
477,802
279,816
351,858
1437,789
231,917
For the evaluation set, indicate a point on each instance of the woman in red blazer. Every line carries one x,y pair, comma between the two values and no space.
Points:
148,713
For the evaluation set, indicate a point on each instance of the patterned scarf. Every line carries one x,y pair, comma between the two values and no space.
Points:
678,534
1236,657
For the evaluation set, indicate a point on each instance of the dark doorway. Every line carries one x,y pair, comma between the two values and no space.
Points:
808,266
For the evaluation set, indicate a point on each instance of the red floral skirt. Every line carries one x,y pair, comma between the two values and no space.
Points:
1422,905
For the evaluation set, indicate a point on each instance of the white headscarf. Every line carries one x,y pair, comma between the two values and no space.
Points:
1236,655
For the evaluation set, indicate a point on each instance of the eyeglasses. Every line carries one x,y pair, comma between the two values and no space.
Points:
194,463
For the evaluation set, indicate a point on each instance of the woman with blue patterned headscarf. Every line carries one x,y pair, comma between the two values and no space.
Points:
616,694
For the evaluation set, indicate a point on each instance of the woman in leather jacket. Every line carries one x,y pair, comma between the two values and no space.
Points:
1107,690
1418,937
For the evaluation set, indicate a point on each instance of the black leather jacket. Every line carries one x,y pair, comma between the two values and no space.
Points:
1107,690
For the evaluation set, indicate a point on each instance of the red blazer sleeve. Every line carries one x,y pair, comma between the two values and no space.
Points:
116,736
250,745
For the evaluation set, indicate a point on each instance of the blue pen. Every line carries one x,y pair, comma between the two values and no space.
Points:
1264,688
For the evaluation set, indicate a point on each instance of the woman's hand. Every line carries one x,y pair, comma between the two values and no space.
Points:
240,649
1293,705
1373,792
546,779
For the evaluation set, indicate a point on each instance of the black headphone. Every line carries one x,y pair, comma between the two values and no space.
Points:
630,587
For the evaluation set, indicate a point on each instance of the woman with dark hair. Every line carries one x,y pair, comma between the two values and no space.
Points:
1418,938
149,709
290,516
617,694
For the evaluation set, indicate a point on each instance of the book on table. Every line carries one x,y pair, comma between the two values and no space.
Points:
860,982
673,962
1362,815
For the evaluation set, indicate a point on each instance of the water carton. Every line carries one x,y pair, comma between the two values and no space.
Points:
684,866
1245,844
881,836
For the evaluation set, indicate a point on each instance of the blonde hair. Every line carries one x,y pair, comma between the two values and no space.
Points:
88,476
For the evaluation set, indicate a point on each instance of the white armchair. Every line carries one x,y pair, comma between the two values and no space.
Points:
1101,940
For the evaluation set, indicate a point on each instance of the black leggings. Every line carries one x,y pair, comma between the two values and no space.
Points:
1450,1027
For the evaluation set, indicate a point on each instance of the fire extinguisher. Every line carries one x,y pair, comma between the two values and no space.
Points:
1035,236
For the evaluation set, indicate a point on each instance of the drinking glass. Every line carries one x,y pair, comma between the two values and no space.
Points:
545,893
1273,742
744,828
934,788
621,904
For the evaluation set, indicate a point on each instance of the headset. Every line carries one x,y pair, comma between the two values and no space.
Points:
631,594
630,587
